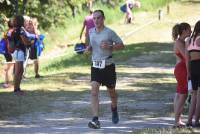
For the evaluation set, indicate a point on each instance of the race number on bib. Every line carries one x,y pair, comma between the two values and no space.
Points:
98,64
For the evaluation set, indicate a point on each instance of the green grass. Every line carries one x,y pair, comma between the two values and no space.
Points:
34,101
71,59
162,131
148,5
132,50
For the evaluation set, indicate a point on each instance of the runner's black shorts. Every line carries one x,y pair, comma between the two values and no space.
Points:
106,77
33,53
195,73
8,57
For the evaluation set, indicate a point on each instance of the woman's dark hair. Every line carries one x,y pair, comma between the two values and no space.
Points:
10,23
196,31
18,21
178,29
100,11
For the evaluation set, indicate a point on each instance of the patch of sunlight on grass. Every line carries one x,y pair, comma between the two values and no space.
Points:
125,87
161,131
82,70
49,86
183,15
79,69
144,70
155,34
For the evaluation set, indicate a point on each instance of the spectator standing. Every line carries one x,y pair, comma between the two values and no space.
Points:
87,25
179,33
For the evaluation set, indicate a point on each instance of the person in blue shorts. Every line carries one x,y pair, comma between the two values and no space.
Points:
19,54
127,7
8,69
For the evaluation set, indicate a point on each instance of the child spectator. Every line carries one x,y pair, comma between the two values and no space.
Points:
8,68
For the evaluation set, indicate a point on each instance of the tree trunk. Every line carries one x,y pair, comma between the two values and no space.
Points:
23,6
72,7
16,7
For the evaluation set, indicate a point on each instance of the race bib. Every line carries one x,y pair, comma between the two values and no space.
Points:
99,64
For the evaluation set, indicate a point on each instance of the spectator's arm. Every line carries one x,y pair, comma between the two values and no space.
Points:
82,31
181,47
128,10
187,57
25,40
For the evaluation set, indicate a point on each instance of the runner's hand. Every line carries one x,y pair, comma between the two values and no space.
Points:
88,50
105,45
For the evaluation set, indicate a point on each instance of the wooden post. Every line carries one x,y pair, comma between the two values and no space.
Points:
168,9
159,14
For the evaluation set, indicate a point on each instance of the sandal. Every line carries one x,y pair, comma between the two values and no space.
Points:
189,125
38,76
179,126
19,92
5,85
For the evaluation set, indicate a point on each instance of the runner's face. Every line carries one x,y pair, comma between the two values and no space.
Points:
98,19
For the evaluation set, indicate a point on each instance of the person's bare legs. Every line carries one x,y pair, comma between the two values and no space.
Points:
36,67
95,98
126,18
197,111
179,102
192,107
113,96
129,18
87,40
95,124
18,74
7,70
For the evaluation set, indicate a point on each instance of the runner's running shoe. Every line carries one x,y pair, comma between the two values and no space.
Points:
94,124
115,117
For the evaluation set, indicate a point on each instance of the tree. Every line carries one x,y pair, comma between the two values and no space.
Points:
48,12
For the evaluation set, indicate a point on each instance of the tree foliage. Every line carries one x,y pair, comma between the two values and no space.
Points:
48,12
54,12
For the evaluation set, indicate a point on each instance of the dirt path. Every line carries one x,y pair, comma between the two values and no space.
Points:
137,109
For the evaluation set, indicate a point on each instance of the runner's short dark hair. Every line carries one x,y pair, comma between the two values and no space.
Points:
100,11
